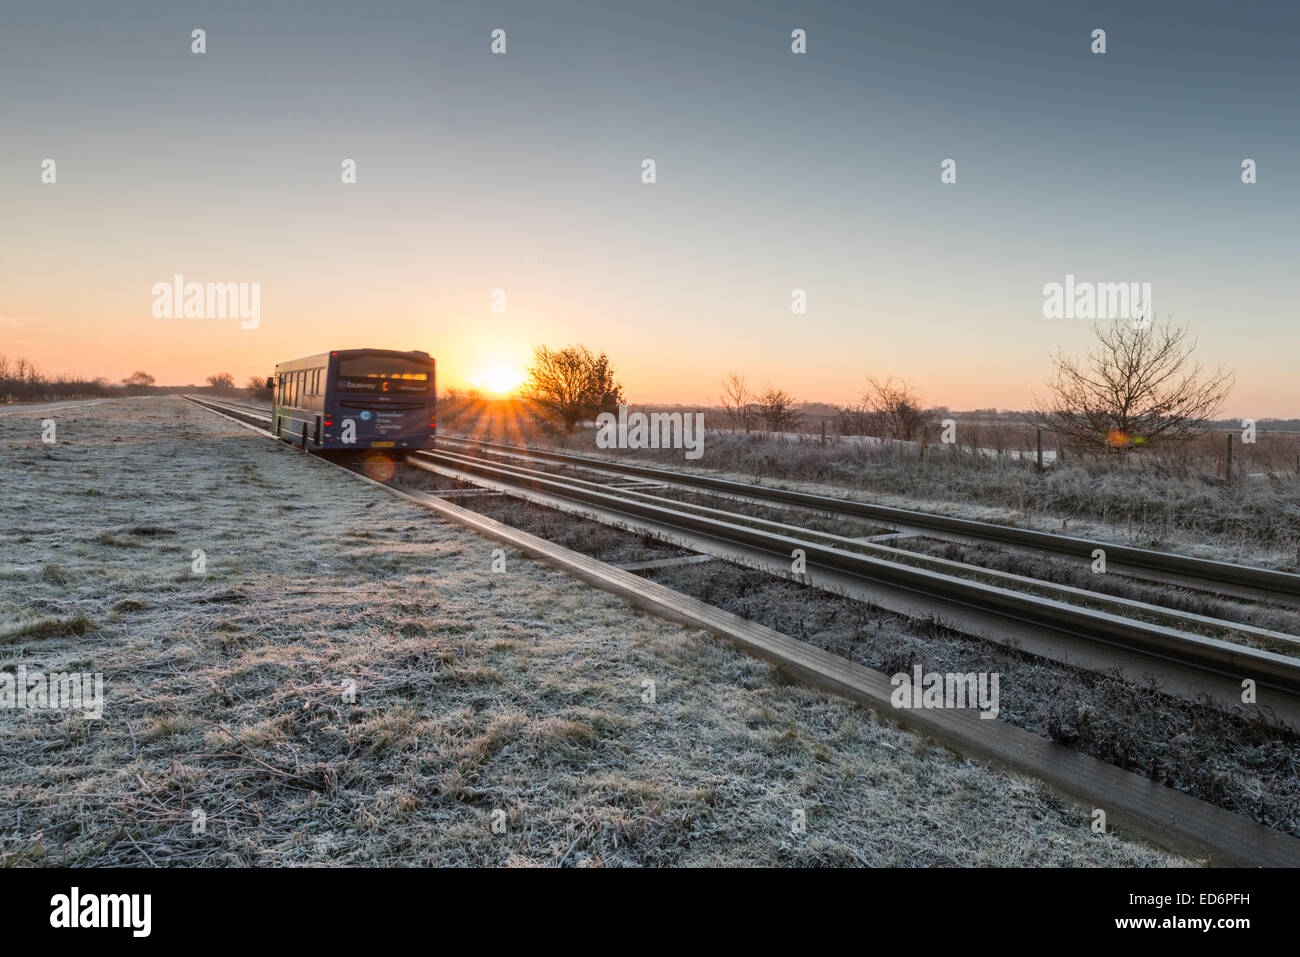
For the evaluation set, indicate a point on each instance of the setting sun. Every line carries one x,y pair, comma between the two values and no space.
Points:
498,381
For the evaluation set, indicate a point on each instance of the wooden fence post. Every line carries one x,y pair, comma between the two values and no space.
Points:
1227,472
1040,450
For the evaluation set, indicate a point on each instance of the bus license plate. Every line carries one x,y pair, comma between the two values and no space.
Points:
383,445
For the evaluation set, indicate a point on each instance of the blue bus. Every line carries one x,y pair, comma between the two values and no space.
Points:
354,399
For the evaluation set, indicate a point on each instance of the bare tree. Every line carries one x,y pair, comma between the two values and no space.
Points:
138,380
1138,385
222,381
895,409
260,386
736,400
776,408
855,420
568,385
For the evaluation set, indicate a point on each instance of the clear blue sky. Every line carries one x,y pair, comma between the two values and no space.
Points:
775,171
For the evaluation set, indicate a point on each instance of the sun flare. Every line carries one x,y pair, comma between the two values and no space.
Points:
498,381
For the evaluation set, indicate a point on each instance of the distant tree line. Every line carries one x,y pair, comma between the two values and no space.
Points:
1138,386
22,381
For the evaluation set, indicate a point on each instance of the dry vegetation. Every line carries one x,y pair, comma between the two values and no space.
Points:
474,692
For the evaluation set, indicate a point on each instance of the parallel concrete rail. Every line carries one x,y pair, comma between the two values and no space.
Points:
1158,641
1127,607
1206,573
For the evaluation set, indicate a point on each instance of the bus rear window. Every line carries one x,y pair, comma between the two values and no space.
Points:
382,374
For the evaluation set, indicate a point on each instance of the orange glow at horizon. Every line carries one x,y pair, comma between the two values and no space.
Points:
984,364
498,380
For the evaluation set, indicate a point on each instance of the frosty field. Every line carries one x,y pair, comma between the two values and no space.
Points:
498,718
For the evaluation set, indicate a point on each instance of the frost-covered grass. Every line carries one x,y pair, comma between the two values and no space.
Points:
1241,761
475,692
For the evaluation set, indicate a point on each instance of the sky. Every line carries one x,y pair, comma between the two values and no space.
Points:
775,171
